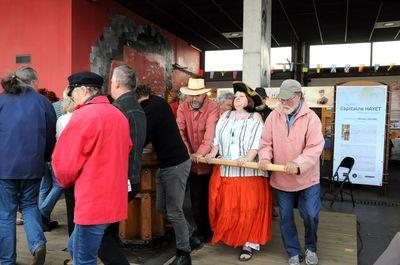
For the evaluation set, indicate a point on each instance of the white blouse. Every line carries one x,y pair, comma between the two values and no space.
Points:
234,139
62,123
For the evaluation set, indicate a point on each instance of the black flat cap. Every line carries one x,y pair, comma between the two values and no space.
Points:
85,79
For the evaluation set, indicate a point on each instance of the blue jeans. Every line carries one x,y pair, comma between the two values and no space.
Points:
22,194
309,207
50,192
84,243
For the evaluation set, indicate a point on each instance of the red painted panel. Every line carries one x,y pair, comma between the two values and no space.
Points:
188,57
149,68
41,29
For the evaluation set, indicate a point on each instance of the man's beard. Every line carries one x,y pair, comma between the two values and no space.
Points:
290,110
198,105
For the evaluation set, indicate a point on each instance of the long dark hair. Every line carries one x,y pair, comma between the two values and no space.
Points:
250,103
13,85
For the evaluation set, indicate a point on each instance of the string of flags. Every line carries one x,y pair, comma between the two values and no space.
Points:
305,68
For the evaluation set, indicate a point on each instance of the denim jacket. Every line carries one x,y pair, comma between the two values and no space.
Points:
129,105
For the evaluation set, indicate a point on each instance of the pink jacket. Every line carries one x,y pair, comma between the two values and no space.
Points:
92,154
302,145
197,129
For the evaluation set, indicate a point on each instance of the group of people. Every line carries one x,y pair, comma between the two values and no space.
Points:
92,148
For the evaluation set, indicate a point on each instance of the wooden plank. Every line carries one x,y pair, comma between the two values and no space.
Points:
145,217
337,244
251,165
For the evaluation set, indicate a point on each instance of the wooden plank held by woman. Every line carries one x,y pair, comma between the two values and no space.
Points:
251,165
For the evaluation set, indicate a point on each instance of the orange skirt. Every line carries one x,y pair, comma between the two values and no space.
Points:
240,209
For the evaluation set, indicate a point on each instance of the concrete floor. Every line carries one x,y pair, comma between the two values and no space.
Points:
377,226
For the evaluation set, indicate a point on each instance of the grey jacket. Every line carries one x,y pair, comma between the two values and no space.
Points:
129,105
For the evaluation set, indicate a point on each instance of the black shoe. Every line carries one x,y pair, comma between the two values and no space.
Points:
39,256
195,243
48,225
182,258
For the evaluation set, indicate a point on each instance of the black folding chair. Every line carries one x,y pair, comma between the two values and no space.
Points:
347,163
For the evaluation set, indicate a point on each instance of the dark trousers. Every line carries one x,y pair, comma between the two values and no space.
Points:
70,202
198,185
110,251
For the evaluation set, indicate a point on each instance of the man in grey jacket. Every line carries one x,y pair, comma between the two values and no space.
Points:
123,85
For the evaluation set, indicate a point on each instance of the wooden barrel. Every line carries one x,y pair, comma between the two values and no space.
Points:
143,220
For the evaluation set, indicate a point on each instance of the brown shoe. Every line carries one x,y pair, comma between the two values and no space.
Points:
39,256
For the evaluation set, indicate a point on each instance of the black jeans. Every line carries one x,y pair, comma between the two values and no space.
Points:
70,202
199,197
110,251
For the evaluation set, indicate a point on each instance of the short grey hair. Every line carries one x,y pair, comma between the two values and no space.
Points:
222,98
126,76
27,74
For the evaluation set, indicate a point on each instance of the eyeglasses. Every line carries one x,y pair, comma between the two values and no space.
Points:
284,101
70,90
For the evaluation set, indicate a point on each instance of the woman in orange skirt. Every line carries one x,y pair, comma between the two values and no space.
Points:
240,205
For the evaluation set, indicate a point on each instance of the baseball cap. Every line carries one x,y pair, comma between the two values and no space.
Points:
288,88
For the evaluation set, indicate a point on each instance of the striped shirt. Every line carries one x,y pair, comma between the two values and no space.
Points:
234,139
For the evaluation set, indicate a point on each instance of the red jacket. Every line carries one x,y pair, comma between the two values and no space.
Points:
92,154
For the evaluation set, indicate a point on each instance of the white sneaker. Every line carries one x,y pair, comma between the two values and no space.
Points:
311,257
294,260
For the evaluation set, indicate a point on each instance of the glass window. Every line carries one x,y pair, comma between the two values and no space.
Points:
386,53
340,55
232,60
279,56
225,60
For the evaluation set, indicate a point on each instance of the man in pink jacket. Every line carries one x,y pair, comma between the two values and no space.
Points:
197,118
292,137
92,154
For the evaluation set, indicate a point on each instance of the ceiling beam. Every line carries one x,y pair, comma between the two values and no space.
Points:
151,3
398,32
235,23
319,26
277,43
288,19
206,22
376,20
347,21
227,15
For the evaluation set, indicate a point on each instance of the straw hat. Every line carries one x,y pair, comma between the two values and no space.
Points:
195,87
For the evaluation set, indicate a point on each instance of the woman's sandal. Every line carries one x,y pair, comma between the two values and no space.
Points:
245,255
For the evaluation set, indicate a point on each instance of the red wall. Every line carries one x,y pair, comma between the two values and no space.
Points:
59,34
41,29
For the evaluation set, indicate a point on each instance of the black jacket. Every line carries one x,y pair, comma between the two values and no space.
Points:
163,132
129,105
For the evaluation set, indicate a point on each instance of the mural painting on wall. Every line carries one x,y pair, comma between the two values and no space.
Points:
144,48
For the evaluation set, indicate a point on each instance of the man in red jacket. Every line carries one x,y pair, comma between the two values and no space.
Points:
92,154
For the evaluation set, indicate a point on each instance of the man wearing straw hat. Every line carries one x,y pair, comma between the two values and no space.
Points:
292,137
197,118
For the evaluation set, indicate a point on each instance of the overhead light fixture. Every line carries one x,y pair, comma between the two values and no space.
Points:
387,24
232,35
